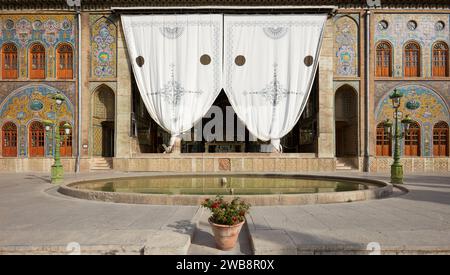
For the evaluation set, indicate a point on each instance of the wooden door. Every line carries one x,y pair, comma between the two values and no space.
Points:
9,58
440,59
440,140
412,60
412,141
37,62
9,138
36,139
383,142
66,142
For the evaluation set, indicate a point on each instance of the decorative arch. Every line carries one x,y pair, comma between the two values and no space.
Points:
104,48
440,59
384,57
37,61
423,104
346,46
411,59
103,121
33,102
10,64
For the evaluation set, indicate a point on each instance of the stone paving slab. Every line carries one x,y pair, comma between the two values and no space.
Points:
414,223
34,219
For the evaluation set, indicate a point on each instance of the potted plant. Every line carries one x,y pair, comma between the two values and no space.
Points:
226,220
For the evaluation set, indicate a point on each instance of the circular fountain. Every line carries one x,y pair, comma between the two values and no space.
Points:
257,189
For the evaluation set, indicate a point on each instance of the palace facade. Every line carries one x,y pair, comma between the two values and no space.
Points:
48,47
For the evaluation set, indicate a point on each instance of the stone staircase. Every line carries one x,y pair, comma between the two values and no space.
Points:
100,163
344,164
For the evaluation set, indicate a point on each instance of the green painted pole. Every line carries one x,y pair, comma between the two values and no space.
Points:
57,168
396,167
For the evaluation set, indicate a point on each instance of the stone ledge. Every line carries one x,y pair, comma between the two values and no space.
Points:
115,242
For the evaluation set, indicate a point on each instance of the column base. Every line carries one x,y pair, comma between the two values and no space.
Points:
57,174
396,173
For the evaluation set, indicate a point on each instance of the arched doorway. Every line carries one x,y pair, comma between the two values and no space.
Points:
103,113
346,122
440,139
412,140
36,139
9,138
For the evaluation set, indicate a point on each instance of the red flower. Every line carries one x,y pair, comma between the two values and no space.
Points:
215,205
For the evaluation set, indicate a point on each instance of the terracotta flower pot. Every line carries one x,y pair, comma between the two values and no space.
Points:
226,235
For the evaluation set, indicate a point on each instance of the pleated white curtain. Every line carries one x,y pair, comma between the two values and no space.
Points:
269,67
177,63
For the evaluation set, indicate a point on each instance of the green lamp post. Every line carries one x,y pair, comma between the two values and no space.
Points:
57,170
397,167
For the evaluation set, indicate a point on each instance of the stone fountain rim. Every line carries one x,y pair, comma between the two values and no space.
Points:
383,189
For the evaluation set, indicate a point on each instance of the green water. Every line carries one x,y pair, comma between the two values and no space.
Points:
211,185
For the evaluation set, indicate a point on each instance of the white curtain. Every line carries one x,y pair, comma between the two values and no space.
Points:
270,63
177,63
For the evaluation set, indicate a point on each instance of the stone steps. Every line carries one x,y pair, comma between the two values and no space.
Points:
101,164
344,165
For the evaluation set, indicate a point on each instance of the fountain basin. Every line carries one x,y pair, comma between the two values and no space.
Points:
257,189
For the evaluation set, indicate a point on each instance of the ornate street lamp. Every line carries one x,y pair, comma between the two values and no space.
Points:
57,170
397,167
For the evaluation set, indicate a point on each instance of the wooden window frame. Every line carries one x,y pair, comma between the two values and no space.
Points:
408,58
438,128
414,125
64,70
9,139
37,58
66,142
439,67
381,69
36,151
10,58
383,142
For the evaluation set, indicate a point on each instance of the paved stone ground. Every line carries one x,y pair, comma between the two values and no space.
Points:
416,222
34,219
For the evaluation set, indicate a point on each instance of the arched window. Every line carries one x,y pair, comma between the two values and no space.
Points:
384,59
383,141
440,139
412,59
440,59
37,61
64,63
36,139
412,140
9,140
66,141
9,64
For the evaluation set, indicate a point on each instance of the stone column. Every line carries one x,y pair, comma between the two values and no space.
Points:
85,52
326,123
123,141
